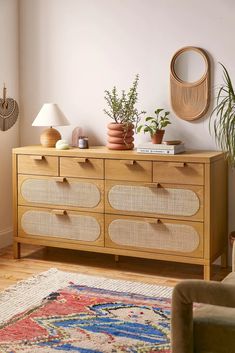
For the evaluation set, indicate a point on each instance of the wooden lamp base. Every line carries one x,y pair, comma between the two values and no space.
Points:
49,137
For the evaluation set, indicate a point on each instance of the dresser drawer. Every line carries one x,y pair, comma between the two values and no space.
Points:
38,164
128,170
154,199
62,192
178,173
154,235
81,227
82,167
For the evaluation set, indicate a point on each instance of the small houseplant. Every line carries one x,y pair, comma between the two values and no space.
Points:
156,125
122,110
224,122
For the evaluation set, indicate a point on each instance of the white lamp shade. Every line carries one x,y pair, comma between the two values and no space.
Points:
50,115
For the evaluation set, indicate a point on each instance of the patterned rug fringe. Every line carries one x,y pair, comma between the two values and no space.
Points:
29,293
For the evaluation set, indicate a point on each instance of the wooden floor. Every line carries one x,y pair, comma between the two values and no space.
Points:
37,259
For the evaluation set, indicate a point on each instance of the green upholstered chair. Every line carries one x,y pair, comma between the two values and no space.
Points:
210,326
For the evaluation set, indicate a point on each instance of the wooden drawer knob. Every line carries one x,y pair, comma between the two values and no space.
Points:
81,160
37,158
152,221
59,212
59,179
153,185
127,162
178,164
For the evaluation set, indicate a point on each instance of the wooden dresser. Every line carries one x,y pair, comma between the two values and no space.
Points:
162,207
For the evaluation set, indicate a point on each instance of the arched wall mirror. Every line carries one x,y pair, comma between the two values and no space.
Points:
189,81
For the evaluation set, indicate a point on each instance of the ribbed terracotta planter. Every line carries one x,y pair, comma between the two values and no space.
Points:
158,137
120,136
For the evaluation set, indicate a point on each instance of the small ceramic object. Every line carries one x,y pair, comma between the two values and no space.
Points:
62,145
172,142
75,135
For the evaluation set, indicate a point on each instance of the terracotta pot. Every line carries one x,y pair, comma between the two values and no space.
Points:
158,136
120,136
116,133
114,139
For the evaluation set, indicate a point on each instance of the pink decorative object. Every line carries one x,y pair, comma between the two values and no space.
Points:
75,135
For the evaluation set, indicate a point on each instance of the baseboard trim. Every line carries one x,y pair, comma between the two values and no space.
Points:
6,237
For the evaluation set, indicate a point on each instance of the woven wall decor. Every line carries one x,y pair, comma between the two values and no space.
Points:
190,100
9,111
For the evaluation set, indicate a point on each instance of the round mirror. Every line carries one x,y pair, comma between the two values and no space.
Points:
190,66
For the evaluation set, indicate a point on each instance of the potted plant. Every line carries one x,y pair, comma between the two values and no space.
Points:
122,109
155,125
224,122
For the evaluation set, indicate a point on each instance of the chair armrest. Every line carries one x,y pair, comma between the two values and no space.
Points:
233,252
184,295
232,242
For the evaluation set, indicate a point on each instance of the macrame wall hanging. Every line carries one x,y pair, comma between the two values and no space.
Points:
9,111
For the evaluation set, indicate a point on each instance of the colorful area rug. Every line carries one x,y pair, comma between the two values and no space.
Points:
65,312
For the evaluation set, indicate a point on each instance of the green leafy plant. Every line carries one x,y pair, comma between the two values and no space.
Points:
153,124
122,108
224,122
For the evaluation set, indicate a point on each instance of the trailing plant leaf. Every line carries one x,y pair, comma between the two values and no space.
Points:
224,122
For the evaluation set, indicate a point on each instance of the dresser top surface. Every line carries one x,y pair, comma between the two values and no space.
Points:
103,152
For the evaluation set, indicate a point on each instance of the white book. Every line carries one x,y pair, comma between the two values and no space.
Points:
160,149
145,150
161,146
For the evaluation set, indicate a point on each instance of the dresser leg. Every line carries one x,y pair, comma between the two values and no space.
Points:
16,250
207,272
116,258
224,259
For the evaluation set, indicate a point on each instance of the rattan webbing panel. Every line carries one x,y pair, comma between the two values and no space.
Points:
176,202
167,236
50,192
77,227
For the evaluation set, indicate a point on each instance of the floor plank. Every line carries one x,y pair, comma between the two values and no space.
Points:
37,259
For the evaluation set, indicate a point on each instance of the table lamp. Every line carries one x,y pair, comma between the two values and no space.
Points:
50,115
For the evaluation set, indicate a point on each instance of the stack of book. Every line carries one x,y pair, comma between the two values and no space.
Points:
149,147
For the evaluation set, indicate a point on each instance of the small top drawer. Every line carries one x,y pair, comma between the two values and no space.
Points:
128,170
82,167
178,172
38,164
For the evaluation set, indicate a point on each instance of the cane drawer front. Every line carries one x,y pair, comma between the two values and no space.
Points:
154,235
154,199
82,167
178,173
38,164
56,224
69,193
128,170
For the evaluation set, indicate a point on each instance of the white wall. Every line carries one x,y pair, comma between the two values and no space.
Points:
72,50
10,138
